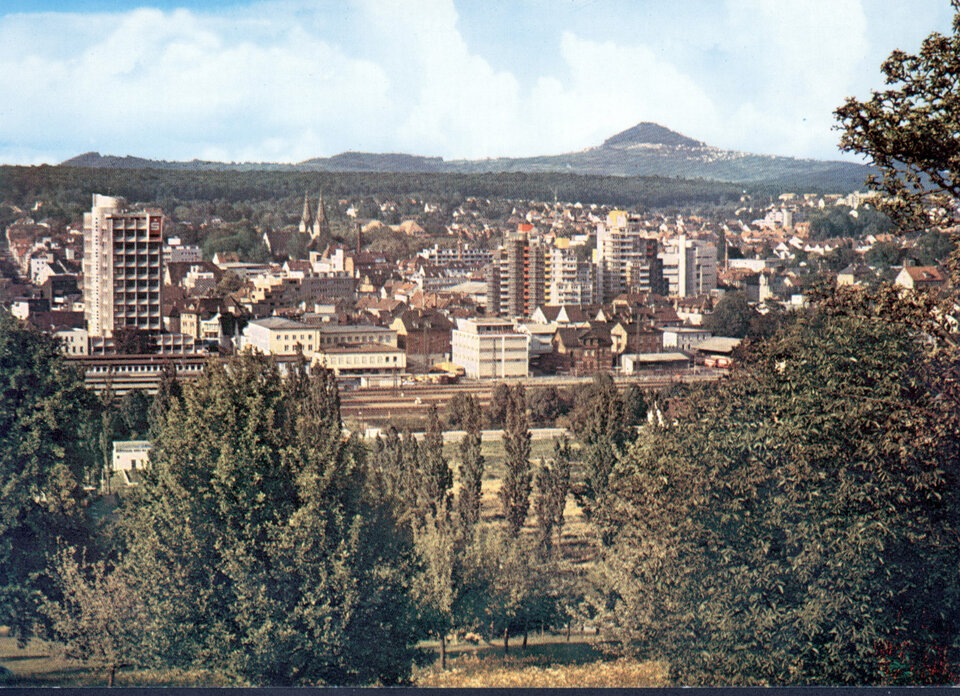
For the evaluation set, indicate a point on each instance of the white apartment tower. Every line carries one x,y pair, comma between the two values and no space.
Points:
626,258
122,267
571,278
689,266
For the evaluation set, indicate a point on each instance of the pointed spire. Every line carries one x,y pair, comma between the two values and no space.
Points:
320,225
306,220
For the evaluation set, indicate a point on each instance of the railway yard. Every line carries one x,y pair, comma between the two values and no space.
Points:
378,405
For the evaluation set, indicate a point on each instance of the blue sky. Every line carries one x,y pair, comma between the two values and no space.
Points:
286,80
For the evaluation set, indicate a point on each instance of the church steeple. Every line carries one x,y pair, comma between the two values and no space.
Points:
320,225
306,220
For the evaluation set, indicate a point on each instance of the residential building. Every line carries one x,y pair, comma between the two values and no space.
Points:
520,276
424,335
626,257
689,266
490,349
920,278
121,267
570,277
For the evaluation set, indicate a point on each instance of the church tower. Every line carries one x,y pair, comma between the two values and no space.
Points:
306,220
321,228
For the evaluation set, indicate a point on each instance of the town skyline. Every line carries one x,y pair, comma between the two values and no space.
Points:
287,81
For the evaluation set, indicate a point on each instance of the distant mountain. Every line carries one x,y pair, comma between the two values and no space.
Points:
647,149
650,134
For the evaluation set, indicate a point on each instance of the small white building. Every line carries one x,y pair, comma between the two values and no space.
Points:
683,338
490,349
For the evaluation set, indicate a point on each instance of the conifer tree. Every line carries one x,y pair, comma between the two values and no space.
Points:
517,482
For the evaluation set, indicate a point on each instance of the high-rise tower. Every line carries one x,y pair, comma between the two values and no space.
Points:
121,267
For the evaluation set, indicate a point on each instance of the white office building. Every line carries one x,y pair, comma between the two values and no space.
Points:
490,349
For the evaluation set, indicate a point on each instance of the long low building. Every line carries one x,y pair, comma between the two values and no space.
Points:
362,359
124,373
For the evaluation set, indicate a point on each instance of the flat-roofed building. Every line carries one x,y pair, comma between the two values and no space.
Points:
279,336
343,334
362,358
490,349
121,267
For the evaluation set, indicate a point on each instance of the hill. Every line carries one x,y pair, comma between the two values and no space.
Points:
647,149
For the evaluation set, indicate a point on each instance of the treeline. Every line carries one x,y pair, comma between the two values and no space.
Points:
73,186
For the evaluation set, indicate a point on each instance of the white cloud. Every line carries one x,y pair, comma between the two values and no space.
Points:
612,87
174,84
803,58
290,79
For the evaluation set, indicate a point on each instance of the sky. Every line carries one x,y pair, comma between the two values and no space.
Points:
287,80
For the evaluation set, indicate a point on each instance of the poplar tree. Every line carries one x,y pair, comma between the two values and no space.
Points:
517,482
470,450
436,477
553,485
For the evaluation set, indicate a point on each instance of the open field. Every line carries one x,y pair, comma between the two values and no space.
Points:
37,664
548,661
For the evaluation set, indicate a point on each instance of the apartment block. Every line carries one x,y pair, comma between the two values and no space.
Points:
121,267
626,256
518,276
689,266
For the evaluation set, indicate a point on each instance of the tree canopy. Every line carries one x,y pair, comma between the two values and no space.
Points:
257,543
909,132
44,460
797,524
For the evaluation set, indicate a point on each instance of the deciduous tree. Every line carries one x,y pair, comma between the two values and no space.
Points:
797,524
257,542
43,462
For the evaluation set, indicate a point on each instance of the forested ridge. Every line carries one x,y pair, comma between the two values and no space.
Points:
72,185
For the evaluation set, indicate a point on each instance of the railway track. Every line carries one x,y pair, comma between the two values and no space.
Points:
416,399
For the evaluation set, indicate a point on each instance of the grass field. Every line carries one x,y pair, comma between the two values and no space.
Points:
548,661
37,664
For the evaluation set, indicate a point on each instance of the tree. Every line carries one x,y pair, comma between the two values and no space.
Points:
908,132
471,468
545,405
497,408
797,524
258,542
517,482
553,485
168,391
44,408
600,423
133,410
98,617
129,340
457,409
731,316
436,478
